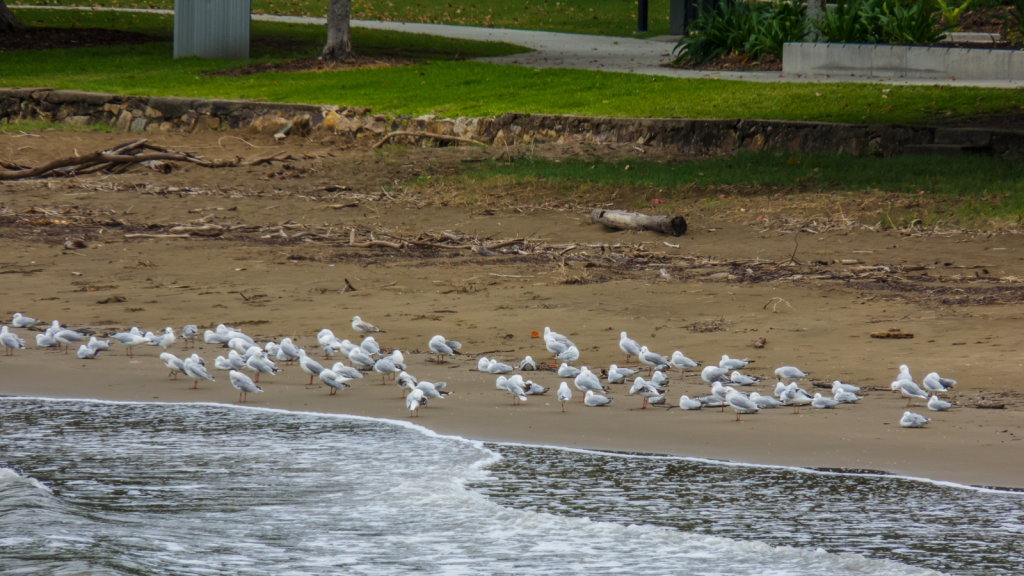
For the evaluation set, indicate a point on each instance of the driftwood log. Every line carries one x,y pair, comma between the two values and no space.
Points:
622,220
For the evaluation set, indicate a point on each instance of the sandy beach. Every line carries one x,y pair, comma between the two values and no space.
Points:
272,282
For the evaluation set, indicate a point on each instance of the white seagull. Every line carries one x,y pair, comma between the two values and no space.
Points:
68,337
358,356
364,327
189,334
682,362
309,366
45,341
564,394
595,400
98,345
11,341
629,346
732,363
333,380
173,363
86,353
741,404
764,401
645,389
822,402
686,403
789,373
652,360
587,381
909,390
936,383
742,380
912,420
566,371
443,347
938,405
528,364
495,367
413,402
534,389
20,321
196,371
712,374
837,385
261,365
844,396
370,346
384,367
570,354
243,384
407,382
347,372
617,375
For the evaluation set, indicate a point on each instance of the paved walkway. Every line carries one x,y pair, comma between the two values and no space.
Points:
583,51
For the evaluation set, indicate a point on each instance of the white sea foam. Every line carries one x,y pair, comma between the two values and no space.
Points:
10,476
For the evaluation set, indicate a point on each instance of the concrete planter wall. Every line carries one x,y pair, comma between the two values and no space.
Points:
360,127
886,61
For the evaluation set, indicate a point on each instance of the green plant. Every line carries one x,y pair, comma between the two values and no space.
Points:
909,24
951,14
1013,26
735,26
852,22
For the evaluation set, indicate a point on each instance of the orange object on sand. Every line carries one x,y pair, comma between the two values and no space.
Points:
534,334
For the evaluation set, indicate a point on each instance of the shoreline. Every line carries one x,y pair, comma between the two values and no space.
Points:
707,435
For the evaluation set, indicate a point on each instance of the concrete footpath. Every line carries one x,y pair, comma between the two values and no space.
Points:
585,52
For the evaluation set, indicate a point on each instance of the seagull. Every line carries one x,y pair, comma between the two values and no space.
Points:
495,367
555,347
261,365
682,362
837,385
795,398
174,363
406,381
652,360
658,377
912,420
220,362
938,405
820,401
243,384
566,371
189,333
129,341
370,346
211,337
944,382
333,380
741,404
11,342
443,347
359,356
722,392
309,366
513,386
844,396
789,373
98,345
937,383
528,364
386,366
904,373
595,400
239,345
711,401
44,341
645,389
570,354
196,371
564,394
685,403
712,374
165,340
780,389
908,390
68,337
629,346
347,372
364,327
413,401
741,380
586,381
20,321
550,334
732,363
764,401
86,353
237,360
617,375
429,390
288,351
534,389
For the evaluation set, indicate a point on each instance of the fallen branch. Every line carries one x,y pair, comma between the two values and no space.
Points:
113,160
418,135
621,220
157,236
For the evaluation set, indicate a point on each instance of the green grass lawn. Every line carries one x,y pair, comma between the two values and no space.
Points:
971,187
608,17
439,84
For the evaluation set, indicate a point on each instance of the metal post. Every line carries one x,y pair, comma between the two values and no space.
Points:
641,16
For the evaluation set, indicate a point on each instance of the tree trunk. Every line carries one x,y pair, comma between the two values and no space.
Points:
8,21
815,12
339,38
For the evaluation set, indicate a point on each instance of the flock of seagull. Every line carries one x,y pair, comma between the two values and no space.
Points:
245,355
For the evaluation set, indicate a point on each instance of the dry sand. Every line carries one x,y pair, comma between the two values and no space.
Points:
274,287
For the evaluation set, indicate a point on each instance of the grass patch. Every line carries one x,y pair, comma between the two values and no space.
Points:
440,84
606,17
965,189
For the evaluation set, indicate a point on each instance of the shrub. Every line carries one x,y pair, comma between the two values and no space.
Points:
735,26
881,22
951,14
1013,26
913,24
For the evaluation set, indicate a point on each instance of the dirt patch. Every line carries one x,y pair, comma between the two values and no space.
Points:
985,20
734,63
313,65
61,38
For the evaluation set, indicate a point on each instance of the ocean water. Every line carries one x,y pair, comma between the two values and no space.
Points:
117,488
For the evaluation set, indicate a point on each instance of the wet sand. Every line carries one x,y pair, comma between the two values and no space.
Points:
272,288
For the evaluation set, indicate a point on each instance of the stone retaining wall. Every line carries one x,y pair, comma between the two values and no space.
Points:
359,126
